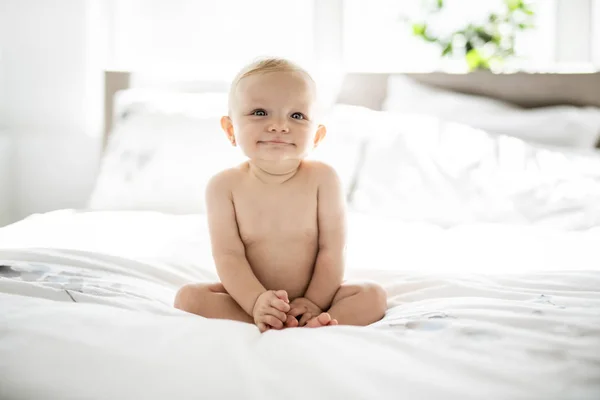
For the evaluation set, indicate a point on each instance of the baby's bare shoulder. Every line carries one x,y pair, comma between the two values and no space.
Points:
323,172
225,180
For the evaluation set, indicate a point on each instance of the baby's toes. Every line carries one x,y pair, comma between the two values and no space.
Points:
322,319
291,322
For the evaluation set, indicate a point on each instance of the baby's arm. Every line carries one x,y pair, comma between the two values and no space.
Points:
227,247
329,268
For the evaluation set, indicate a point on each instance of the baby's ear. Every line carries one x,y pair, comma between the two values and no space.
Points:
320,135
227,126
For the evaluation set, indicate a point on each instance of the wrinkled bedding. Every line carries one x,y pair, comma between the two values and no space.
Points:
475,311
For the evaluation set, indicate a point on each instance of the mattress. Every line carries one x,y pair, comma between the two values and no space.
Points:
474,311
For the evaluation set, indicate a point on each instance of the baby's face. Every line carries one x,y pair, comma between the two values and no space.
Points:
272,116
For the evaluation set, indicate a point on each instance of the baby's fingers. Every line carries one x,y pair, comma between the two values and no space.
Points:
282,294
276,313
273,322
305,318
280,305
296,311
262,327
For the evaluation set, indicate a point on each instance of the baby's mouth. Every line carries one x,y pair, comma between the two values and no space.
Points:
275,141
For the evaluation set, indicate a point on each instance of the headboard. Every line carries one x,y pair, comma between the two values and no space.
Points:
527,90
114,81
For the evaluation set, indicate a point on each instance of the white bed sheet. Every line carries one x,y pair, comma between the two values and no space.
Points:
477,311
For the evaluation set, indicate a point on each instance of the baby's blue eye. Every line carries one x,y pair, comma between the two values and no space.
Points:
297,115
260,113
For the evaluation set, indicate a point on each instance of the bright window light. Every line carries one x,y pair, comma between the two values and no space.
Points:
205,37
377,40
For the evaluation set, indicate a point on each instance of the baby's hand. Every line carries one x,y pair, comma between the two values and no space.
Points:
270,310
305,308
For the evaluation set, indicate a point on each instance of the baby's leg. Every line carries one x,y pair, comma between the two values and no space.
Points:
210,301
359,304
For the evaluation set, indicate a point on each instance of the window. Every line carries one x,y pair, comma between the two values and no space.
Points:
213,38
376,40
206,37
595,43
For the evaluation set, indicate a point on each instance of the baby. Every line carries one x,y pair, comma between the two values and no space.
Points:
277,222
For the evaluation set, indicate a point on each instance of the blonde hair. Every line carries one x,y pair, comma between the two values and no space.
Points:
264,66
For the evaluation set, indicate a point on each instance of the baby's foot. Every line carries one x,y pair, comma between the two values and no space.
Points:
323,319
291,322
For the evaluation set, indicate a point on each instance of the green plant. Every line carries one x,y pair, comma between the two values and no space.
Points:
484,45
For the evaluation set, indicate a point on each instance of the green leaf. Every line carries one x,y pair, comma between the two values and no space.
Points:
489,36
514,4
476,61
419,29
483,35
469,46
528,11
523,26
473,59
447,49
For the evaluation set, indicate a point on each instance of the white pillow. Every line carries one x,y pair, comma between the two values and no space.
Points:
347,132
349,129
449,174
406,95
565,126
163,161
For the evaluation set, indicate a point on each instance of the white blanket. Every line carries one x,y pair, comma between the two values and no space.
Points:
478,311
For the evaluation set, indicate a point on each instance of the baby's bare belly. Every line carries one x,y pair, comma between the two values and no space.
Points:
281,263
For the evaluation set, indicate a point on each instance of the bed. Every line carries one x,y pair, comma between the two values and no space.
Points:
486,243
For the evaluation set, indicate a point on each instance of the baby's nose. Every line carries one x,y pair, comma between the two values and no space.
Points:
278,126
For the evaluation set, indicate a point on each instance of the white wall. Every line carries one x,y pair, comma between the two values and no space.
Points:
50,86
6,187
6,147
53,171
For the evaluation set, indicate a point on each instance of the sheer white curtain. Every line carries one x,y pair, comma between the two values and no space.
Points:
596,33
208,38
